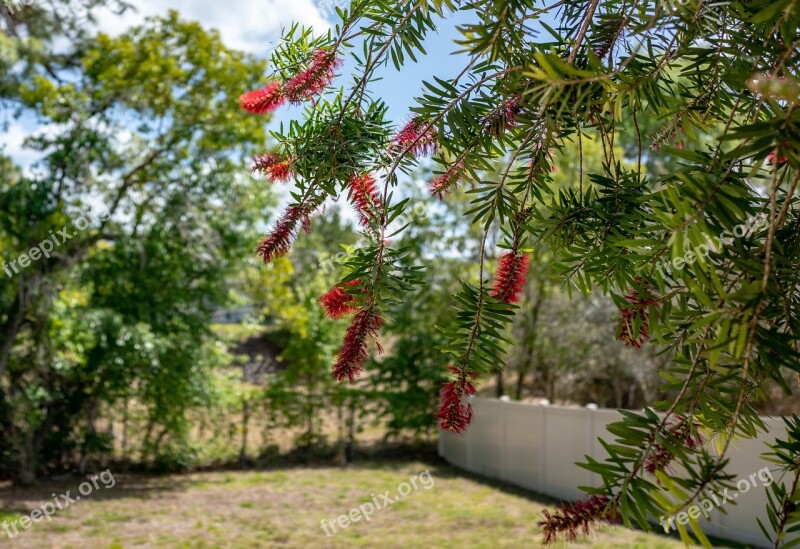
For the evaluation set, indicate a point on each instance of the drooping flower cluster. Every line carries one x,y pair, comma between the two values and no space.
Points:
415,138
264,100
306,84
338,302
503,118
279,241
454,414
354,352
366,198
635,313
274,166
509,281
442,184
683,432
315,78
576,518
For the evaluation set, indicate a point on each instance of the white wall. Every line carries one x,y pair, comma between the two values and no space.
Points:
536,447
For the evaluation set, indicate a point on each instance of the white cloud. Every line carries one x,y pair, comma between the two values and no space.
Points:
250,25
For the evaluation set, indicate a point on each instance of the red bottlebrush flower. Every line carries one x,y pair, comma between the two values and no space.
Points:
454,415
264,100
504,118
337,302
446,181
366,198
275,167
414,138
278,242
628,316
314,79
354,351
683,432
510,278
577,518
778,158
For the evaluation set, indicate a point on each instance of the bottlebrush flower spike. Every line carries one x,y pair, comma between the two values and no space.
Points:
274,166
337,302
446,181
314,79
278,242
366,198
509,281
413,138
354,351
576,518
264,100
684,432
504,118
628,317
780,158
454,415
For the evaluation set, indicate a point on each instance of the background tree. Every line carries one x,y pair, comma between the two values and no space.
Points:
156,217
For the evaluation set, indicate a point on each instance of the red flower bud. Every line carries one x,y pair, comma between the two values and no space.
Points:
414,138
263,101
509,281
366,198
454,415
314,79
278,242
576,518
354,352
275,167
337,302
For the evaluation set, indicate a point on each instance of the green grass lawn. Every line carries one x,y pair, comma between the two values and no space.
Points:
283,508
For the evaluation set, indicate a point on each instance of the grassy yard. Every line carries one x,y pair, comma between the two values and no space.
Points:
283,508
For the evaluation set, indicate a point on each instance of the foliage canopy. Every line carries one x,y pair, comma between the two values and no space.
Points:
701,258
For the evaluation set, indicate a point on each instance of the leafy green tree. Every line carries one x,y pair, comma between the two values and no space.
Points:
690,264
156,212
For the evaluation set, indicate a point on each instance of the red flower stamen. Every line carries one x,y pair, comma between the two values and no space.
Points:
275,167
365,197
337,302
778,157
682,431
314,79
278,242
454,415
509,281
354,352
504,118
445,182
415,139
628,316
264,100
577,518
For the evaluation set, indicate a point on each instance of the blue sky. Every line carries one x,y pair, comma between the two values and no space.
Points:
255,26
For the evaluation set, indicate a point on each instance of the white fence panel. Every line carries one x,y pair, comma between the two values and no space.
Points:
536,447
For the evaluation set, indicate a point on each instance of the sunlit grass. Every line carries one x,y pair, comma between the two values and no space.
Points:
284,509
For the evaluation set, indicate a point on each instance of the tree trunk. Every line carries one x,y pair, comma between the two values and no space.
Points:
500,384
